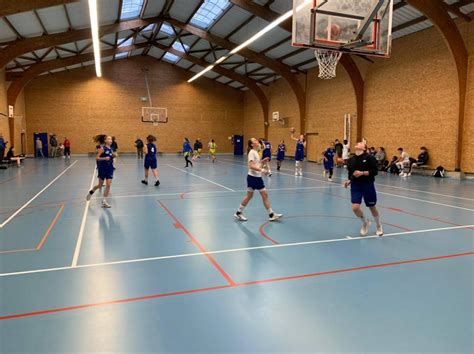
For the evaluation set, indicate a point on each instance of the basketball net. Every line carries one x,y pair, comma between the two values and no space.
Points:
327,61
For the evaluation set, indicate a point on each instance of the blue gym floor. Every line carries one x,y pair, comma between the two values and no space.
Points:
168,269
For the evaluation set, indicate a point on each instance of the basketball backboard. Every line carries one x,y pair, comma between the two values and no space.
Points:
353,26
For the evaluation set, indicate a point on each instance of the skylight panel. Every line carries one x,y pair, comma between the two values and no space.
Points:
178,46
126,43
149,28
209,12
121,55
131,9
167,29
170,58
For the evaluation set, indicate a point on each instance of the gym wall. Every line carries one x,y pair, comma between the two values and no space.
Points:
78,105
4,107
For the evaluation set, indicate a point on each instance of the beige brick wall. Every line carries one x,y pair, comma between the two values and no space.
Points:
78,105
4,130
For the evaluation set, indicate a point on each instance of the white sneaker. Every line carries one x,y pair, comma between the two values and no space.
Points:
379,231
364,230
408,174
106,205
330,179
275,216
89,196
402,174
296,174
300,173
239,216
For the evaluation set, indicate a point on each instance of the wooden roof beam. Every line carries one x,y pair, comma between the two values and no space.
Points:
11,7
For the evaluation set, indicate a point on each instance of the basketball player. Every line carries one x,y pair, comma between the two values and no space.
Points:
187,151
328,162
105,157
255,182
150,160
362,169
280,154
299,153
267,155
212,150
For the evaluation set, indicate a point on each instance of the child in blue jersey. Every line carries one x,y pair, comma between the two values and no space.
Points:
328,162
151,161
255,182
267,155
187,151
280,154
299,152
105,167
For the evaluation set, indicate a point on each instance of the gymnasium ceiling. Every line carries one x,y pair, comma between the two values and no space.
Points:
179,32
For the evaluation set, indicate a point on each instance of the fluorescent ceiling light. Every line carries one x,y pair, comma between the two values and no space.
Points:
252,39
95,35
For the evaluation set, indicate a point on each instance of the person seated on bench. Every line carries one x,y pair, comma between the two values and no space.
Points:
12,158
380,156
403,161
422,160
391,167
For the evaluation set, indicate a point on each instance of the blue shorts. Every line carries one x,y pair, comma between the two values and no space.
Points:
280,156
106,172
151,163
328,165
267,155
299,156
363,190
255,183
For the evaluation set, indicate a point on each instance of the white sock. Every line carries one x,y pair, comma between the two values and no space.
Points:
241,208
270,211
364,220
377,220
104,200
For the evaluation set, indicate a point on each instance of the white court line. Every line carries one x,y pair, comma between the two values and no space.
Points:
209,192
36,196
205,179
234,250
379,184
378,192
80,236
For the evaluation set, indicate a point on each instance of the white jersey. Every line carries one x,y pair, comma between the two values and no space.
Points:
405,157
345,151
255,157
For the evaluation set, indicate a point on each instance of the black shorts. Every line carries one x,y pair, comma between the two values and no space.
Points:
255,183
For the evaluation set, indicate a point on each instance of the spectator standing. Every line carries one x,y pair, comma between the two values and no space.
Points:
139,145
54,145
3,146
67,148
39,147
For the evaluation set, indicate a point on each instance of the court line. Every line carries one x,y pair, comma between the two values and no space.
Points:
234,250
381,184
195,241
36,196
43,239
205,179
379,192
236,285
209,192
80,236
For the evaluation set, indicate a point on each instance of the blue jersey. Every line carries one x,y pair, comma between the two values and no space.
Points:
281,152
187,147
97,148
329,155
299,153
106,167
267,149
151,151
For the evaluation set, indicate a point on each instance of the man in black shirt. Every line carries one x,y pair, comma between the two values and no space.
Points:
362,169
139,145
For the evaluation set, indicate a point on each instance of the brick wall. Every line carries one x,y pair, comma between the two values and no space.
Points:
410,100
3,107
78,105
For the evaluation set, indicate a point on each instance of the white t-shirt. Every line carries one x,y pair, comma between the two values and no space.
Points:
345,151
255,157
405,157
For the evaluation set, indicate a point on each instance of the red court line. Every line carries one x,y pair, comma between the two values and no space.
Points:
197,244
50,227
43,239
235,285
427,217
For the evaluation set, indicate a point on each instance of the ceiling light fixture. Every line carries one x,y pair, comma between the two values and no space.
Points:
252,39
95,35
